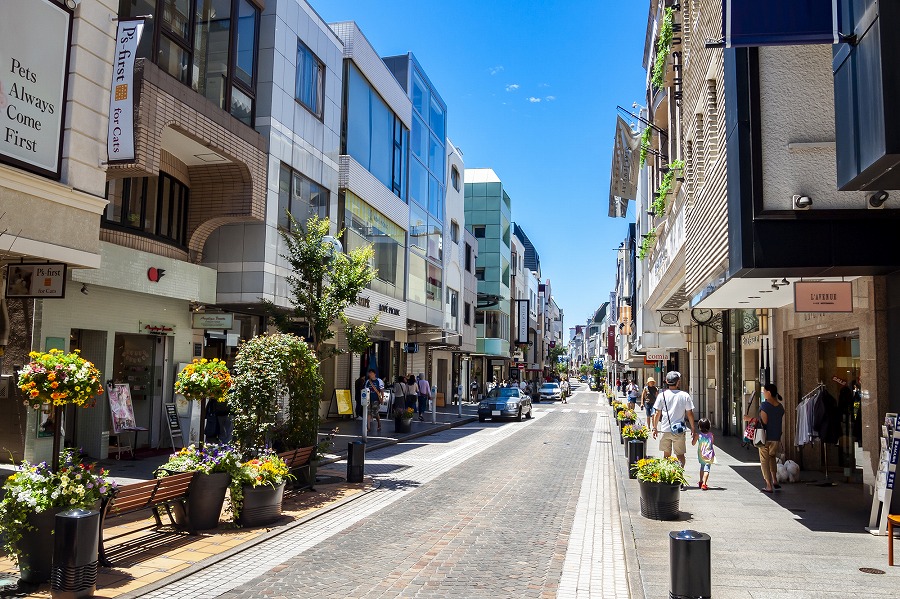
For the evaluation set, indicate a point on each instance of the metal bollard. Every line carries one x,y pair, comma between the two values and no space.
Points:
356,461
76,538
636,451
690,566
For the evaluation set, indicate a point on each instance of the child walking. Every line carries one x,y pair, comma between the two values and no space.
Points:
706,452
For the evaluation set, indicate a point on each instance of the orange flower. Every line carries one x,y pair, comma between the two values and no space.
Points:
54,384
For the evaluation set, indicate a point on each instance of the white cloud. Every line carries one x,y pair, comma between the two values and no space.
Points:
550,98
496,69
544,85
533,100
512,87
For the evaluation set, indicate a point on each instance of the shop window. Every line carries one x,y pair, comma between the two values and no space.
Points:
366,226
210,45
310,86
155,206
300,196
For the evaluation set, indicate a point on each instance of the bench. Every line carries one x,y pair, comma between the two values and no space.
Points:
891,521
149,495
300,459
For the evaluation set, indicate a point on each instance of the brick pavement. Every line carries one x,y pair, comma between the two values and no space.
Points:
484,510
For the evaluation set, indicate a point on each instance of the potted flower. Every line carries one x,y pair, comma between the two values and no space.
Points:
217,464
403,420
58,379
636,446
32,498
257,489
660,481
624,418
204,379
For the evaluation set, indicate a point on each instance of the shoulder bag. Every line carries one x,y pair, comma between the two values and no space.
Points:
752,424
677,427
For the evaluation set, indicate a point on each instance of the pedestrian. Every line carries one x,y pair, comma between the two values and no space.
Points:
648,397
473,391
522,385
424,394
400,390
564,387
771,414
672,408
706,452
412,392
358,387
376,393
633,390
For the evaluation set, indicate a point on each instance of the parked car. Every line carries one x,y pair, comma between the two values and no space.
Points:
504,402
551,391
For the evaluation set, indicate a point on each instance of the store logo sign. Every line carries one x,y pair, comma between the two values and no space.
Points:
156,328
823,296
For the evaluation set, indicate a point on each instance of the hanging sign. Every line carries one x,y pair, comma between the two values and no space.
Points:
823,296
40,281
34,56
120,137
209,320
780,23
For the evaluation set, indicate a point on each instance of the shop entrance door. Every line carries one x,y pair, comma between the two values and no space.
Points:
839,370
84,427
135,362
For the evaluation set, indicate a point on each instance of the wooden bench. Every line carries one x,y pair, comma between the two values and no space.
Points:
892,520
301,460
149,495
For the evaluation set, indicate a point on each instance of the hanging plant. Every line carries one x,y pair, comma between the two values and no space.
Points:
647,244
59,379
659,204
646,135
663,47
203,379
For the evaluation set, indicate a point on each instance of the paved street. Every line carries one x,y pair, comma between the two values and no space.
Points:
483,510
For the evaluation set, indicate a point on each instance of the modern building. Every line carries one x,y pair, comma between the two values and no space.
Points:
488,217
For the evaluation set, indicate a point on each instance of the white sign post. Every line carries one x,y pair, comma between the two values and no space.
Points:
120,137
885,478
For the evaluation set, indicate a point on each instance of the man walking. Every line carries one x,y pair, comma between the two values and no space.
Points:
424,394
672,407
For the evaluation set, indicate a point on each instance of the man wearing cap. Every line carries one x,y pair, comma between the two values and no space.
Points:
672,407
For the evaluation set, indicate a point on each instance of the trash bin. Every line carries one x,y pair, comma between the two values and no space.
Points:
75,542
690,567
636,451
356,461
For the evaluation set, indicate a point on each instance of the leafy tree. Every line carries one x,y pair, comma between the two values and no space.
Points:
585,369
555,353
562,367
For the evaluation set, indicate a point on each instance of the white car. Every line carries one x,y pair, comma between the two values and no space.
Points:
551,392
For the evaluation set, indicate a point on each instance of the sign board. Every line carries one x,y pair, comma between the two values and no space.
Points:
33,280
344,401
121,408
34,49
522,310
174,425
120,136
779,23
823,296
412,348
655,355
156,328
209,320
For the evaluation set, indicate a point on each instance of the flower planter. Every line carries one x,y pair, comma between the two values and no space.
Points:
36,547
622,425
204,504
660,501
636,450
262,505
402,425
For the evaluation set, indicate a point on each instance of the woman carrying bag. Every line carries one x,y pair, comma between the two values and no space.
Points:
771,415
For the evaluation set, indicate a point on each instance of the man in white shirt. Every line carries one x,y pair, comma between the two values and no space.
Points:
672,408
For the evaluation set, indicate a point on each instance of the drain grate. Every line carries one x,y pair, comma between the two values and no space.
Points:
871,571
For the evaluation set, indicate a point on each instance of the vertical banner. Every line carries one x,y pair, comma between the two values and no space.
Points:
120,137
522,309
623,177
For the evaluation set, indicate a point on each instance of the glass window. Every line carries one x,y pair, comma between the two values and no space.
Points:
467,308
436,157
358,133
416,278
284,196
478,231
382,124
365,226
435,240
242,106
454,231
418,182
453,308
419,94
155,206
479,273
454,178
505,276
418,228
468,258
435,198
433,285
245,65
176,17
301,197
310,85
211,39
173,59
506,238
436,118
420,139
401,137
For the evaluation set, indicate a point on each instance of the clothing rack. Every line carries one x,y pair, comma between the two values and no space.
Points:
811,395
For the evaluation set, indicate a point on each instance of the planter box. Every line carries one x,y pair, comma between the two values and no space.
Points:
206,496
660,501
262,505
402,425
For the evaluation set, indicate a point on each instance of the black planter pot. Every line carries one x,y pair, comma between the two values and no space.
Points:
402,425
660,501
636,450
262,505
36,547
622,425
204,504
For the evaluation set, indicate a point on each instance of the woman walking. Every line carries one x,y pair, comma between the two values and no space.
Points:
771,414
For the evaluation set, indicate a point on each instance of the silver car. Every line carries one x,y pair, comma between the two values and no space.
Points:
504,402
551,392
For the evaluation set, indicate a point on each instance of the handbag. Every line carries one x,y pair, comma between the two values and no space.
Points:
759,436
752,424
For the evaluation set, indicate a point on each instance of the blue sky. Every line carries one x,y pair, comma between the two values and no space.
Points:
531,91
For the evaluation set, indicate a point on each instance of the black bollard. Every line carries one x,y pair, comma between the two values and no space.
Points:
636,452
690,567
356,461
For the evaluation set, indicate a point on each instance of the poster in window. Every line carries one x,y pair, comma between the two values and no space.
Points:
121,408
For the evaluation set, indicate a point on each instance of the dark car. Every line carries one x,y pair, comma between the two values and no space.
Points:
505,402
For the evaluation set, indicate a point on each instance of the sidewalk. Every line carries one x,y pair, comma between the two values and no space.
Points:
146,558
805,541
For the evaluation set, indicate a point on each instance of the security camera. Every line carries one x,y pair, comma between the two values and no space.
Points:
802,202
72,4
877,199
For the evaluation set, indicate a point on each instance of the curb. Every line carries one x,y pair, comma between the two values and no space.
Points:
205,563
212,560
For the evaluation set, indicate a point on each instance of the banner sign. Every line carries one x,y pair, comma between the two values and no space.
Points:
40,281
120,137
34,55
623,177
522,310
778,23
823,296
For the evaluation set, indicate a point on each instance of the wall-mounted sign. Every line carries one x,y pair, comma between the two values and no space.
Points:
749,340
411,348
34,50
155,274
156,328
41,281
120,136
209,320
389,309
655,355
522,310
823,296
